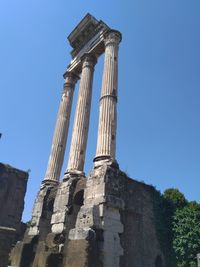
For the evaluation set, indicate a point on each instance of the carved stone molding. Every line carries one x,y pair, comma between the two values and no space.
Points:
112,37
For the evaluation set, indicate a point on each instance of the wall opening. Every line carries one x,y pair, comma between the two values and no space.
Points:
78,198
54,260
28,256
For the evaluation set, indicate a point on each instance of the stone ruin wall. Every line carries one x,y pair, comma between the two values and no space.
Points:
110,227
12,192
121,223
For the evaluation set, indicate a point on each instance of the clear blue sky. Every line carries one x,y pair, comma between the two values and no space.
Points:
158,138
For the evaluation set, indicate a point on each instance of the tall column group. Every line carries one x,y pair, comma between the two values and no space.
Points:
106,140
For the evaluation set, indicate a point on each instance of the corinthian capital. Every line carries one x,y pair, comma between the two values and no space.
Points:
70,78
112,37
88,60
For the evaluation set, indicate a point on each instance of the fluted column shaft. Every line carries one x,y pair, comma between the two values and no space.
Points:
106,141
82,117
61,130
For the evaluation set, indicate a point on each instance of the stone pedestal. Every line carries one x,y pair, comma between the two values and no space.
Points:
63,205
42,210
98,220
115,226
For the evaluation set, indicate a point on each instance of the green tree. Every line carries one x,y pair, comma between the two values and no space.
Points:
186,234
175,198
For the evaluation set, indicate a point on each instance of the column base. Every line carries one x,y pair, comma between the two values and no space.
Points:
49,182
73,174
105,160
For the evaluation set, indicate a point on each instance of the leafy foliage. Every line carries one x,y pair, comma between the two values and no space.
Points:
186,229
175,198
177,224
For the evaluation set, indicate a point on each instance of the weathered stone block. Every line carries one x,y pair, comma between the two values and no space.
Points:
7,238
12,192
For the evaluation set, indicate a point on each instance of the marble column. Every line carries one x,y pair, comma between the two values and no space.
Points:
82,117
106,141
61,130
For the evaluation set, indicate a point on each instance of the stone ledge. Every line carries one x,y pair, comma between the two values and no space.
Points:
2,228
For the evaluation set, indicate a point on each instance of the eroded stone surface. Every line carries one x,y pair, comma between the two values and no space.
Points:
7,239
98,213
63,204
113,226
42,209
12,192
117,214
